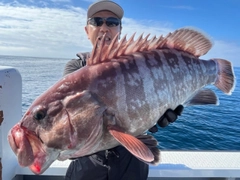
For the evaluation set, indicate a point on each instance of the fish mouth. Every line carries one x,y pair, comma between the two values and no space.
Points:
21,146
28,148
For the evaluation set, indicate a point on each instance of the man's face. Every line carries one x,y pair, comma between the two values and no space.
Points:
95,33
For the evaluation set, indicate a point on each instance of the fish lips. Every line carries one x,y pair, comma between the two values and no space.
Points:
18,138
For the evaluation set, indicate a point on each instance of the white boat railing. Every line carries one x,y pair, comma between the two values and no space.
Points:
174,164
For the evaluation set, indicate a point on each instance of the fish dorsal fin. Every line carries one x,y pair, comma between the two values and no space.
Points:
189,40
184,39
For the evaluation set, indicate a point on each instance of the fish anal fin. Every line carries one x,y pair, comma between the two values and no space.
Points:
134,145
203,97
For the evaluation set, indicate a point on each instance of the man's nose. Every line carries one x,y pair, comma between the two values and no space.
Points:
104,28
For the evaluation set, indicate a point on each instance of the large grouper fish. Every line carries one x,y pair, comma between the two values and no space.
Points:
122,92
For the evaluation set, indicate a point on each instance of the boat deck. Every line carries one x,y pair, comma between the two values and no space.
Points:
179,165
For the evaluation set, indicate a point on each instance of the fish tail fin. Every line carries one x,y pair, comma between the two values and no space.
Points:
226,78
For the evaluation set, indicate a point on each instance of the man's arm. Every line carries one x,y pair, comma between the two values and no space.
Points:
73,65
76,64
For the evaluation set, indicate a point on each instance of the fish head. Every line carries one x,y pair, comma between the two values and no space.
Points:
41,133
57,122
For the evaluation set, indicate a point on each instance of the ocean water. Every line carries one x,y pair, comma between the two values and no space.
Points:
199,128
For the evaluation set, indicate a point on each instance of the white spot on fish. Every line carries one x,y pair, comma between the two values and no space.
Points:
134,79
152,61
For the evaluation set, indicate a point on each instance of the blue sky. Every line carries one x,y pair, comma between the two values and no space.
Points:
55,28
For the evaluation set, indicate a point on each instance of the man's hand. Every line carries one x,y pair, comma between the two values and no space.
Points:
168,117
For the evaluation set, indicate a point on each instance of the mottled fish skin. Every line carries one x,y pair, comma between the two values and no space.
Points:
121,93
145,85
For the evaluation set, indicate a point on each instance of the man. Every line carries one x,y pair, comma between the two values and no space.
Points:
116,163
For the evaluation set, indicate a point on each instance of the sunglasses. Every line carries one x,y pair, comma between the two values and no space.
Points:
98,21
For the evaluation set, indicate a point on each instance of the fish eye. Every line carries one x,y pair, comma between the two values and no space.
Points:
39,115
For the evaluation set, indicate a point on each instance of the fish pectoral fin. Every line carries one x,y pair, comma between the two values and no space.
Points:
143,148
202,97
